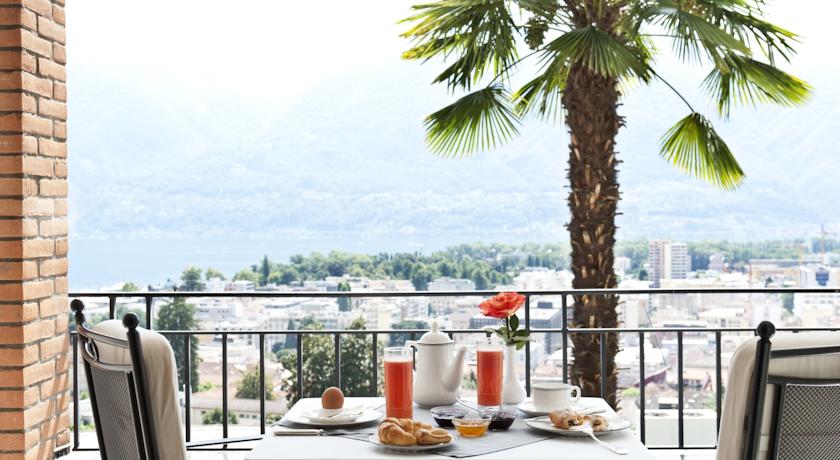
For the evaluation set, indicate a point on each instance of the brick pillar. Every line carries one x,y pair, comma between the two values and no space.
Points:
34,346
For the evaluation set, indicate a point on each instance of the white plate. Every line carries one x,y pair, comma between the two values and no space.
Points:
330,416
368,416
528,408
374,438
544,424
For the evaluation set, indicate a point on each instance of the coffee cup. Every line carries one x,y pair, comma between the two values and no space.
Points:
549,396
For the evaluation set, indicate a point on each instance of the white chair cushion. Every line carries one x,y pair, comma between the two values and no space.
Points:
731,438
162,376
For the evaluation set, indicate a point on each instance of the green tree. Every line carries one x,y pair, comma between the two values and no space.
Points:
191,279
129,287
787,302
344,303
211,273
283,275
291,339
587,52
249,386
179,315
215,417
247,275
397,339
265,270
319,365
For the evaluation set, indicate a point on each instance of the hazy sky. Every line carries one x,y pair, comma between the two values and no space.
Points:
272,50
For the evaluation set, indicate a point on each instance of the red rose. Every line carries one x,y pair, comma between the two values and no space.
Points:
502,305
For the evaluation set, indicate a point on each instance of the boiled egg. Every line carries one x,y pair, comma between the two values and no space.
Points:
333,398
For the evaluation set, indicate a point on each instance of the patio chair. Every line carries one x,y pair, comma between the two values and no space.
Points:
783,399
133,384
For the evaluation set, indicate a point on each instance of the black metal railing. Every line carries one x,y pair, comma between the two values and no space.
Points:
564,330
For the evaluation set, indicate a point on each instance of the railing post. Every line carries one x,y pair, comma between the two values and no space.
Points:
149,312
187,385
718,379
642,379
112,307
565,336
528,346
602,348
375,360
224,387
299,364
262,383
337,346
680,392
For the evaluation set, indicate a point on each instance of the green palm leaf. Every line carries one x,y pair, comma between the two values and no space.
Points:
739,18
478,121
479,34
746,81
693,146
543,94
598,51
694,33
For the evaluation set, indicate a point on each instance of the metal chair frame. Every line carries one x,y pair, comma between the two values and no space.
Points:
761,378
135,373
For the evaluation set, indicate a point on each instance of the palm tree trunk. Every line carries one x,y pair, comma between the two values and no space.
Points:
591,103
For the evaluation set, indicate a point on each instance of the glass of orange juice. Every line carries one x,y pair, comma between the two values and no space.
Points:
489,358
398,382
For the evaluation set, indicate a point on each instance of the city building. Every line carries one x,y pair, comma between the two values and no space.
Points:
717,263
667,260
443,305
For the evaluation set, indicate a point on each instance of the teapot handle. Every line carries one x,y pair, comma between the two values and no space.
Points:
413,345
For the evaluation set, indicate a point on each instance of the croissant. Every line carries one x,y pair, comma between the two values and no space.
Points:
408,432
565,418
433,436
598,423
390,432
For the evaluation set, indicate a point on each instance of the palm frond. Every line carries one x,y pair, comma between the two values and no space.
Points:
542,94
693,33
746,81
694,147
599,52
480,120
743,20
479,34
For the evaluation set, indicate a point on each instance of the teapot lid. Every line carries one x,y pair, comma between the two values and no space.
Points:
435,336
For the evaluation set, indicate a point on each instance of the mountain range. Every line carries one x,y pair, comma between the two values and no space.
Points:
347,159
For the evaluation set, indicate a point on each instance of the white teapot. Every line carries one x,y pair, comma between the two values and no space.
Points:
439,370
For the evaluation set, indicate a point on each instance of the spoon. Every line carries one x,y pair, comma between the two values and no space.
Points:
588,430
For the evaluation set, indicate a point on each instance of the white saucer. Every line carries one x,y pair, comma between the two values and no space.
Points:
544,424
528,408
304,418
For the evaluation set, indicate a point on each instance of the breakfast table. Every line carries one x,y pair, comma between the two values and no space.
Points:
520,441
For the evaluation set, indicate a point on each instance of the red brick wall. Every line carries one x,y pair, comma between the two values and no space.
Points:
33,230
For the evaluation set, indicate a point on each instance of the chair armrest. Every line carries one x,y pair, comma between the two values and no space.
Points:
214,442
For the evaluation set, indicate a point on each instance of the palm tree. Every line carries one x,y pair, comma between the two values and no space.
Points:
587,53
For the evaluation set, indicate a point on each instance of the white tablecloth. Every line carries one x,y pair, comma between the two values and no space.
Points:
338,448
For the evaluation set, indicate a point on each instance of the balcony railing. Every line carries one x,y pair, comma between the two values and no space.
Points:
565,331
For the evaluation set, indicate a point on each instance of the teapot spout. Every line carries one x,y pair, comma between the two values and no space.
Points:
452,376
